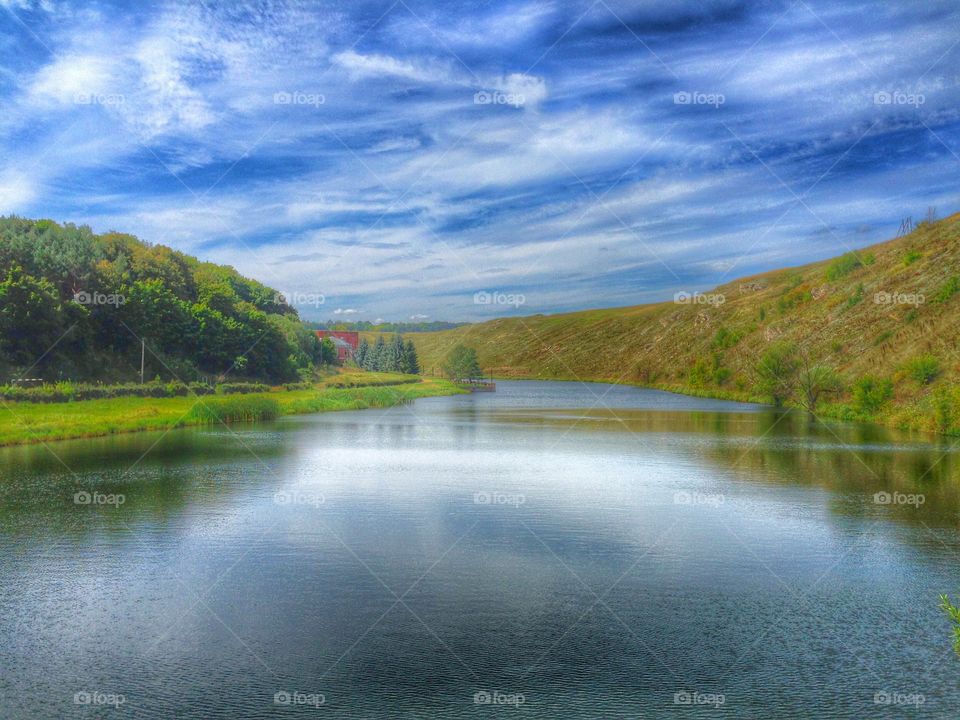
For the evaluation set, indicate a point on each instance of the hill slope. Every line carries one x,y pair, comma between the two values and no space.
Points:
869,313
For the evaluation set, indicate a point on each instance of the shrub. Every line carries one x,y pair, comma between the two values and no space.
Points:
923,369
911,256
726,338
235,409
871,393
948,290
844,265
241,388
777,372
69,392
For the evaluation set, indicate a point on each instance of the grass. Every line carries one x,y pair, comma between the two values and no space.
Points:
875,314
22,423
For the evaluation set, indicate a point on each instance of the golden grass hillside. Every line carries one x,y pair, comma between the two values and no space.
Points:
871,312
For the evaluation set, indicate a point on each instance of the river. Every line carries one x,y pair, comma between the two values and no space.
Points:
551,550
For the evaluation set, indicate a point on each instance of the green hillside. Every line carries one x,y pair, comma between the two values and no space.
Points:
75,305
885,320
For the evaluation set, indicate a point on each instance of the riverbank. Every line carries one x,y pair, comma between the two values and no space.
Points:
26,423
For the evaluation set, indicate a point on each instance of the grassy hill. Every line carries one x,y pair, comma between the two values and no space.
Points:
887,312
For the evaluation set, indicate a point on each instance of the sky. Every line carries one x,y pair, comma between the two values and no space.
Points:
446,160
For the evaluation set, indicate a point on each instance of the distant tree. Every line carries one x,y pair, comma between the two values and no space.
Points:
396,355
814,379
360,356
411,364
379,355
462,363
31,319
328,351
777,372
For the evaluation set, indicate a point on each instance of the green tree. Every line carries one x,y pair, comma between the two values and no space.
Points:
328,351
363,350
813,380
411,364
462,364
379,355
396,354
777,372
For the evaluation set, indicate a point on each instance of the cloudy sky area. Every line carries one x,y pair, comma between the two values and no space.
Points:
398,157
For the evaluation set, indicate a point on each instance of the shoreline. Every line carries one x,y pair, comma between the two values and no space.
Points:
38,423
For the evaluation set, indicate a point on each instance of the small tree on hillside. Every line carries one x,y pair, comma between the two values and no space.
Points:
777,372
462,364
813,380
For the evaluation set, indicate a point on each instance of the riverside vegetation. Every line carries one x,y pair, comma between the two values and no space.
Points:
870,335
22,423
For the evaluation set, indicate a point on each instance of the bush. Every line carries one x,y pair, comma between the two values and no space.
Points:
69,392
844,265
235,409
871,393
241,388
949,289
725,338
777,372
911,256
923,369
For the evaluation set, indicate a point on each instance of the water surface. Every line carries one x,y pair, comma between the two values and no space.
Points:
550,550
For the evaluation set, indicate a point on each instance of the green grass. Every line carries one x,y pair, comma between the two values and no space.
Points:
22,423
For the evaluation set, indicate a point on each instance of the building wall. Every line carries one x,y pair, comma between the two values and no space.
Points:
346,335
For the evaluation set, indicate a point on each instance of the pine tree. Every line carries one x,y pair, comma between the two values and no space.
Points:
397,355
363,350
411,363
379,354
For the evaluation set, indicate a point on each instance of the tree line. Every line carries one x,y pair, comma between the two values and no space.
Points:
74,305
383,356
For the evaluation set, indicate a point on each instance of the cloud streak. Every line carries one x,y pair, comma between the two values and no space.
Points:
400,160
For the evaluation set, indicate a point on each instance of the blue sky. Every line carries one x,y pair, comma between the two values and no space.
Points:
399,157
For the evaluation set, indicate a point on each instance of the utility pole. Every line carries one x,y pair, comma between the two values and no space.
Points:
143,350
